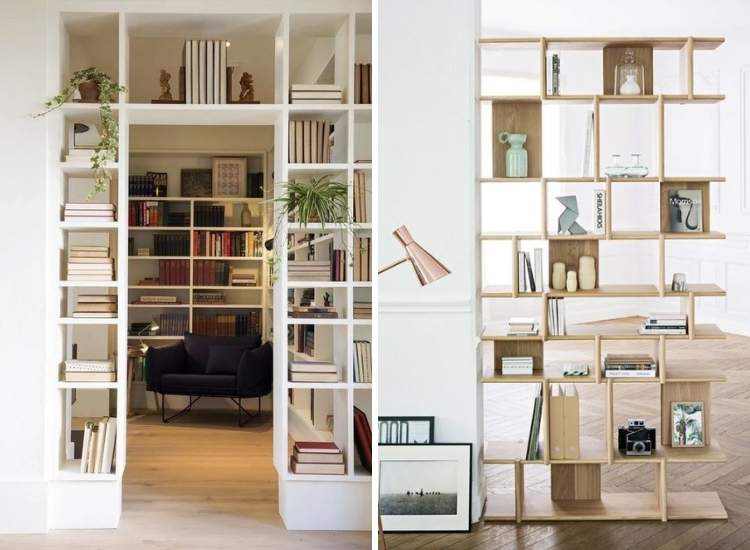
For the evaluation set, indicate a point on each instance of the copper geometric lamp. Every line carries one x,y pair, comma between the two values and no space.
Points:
426,266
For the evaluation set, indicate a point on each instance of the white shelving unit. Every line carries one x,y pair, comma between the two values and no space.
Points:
132,42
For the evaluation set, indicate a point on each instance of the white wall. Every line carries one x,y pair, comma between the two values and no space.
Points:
23,497
704,137
427,343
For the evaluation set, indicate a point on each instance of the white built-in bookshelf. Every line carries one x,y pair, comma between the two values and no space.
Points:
132,43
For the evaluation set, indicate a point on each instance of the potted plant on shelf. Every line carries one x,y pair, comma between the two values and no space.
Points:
319,200
94,86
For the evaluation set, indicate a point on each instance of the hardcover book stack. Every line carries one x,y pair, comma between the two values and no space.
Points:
556,317
522,326
312,371
90,263
243,276
157,299
309,270
211,273
89,212
98,449
629,366
360,197
233,324
153,184
530,278
313,312
362,83
516,365
173,272
205,71
96,306
362,310
362,253
317,457
208,297
226,243
173,323
362,362
665,323
89,370
316,93
310,141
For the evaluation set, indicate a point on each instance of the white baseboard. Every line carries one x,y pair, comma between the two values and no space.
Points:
23,507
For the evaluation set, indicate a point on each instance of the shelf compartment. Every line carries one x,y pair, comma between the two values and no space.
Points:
517,117
625,331
684,391
695,505
615,54
500,507
569,252
622,506
665,209
592,451
508,452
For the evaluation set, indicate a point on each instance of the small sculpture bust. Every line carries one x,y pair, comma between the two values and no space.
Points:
247,90
166,88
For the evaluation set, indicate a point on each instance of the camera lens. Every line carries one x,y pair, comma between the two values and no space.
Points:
639,446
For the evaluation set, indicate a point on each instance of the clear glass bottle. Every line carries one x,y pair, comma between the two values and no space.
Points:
629,76
615,169
636,169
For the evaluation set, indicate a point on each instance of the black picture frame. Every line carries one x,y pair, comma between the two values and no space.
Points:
196,182
415,450
394,420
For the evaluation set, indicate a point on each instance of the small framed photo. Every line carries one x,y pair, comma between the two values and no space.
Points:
688,424
84,136
195,182
230,177
686,211
406,430
425,487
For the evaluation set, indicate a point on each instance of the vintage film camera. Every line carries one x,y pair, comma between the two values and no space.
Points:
636,438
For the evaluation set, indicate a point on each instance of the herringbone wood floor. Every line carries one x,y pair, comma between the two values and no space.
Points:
730,418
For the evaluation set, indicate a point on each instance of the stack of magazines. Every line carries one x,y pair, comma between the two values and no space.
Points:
522,326
629,366
665,323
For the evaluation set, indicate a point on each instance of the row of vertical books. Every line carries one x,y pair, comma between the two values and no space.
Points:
152,184
556,317
174,272
89,212
363,83
98,448
306,339
360,197
362,254
173,244
221,324
362,362
227,243
173,323
90,263
310,141
145,214
211,273
96,305
530,278
338,264
205,71
209,215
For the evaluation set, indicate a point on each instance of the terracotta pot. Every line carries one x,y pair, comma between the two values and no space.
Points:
89,90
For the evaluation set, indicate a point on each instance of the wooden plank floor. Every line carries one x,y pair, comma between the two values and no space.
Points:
198,483
731,427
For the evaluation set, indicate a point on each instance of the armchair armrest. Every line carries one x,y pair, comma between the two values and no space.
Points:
164,360
255,372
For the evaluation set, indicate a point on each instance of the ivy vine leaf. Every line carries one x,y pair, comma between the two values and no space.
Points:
106,151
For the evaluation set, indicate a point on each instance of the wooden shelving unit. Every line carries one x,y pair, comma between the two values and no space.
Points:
677,380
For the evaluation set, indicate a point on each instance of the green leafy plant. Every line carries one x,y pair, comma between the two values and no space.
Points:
106,151
319,200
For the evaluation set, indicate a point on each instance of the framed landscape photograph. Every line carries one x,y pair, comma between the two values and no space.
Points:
406,430
230,177
687,424
425,487
195,182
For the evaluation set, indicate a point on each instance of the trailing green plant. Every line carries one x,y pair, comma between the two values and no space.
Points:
319,200
106,150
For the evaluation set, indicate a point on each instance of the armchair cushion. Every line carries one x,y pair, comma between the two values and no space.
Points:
161,361
198,348
224,359
255,374
200,384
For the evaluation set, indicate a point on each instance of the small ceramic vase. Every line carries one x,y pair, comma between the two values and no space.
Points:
571,285
516,157
586,273
630,86
558,276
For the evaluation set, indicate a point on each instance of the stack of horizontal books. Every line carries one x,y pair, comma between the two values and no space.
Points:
157,299
316,93
313,312
665,323
98,448
522,326
90,263
89,212
517,365
317,457
312,371
96,305
243,276
208,297
89,370
363,310
309,270
629,366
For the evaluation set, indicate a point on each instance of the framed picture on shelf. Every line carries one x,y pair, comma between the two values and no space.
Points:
230,177
406,430
195,182
425,487
687,424
84,136
686,211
